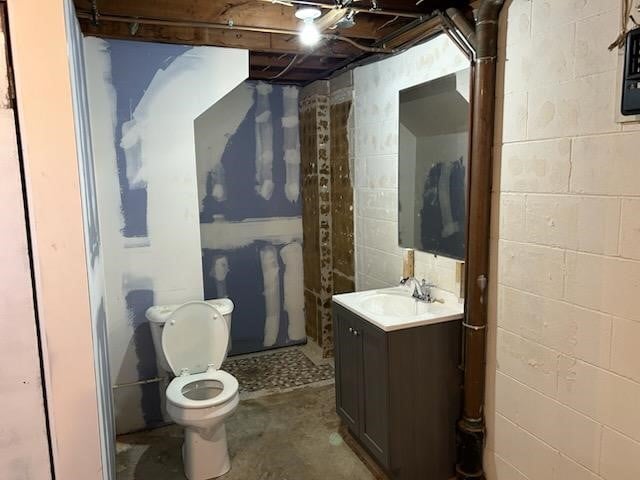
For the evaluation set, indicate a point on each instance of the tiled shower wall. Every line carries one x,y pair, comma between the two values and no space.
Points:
375,137
325,115
342,234
563,361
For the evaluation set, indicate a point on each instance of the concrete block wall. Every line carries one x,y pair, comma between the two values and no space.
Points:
563,384
375,152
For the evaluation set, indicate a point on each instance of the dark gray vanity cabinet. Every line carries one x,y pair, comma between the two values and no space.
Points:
399,393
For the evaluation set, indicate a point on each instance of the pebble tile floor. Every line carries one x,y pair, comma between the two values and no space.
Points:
285,369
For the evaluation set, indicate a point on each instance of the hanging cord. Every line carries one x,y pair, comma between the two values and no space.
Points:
287,68
619,42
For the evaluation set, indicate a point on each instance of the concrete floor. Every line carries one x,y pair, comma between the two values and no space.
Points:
285,436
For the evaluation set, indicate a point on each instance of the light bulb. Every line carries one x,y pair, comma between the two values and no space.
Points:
309,34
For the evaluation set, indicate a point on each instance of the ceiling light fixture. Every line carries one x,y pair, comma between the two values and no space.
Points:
309,33
304,13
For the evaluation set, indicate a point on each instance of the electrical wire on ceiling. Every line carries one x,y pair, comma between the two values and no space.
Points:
386,24
287,68
279,57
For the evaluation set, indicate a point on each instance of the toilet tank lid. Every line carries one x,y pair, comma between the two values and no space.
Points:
160,313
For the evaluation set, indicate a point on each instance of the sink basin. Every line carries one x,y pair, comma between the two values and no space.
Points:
394,308
398,305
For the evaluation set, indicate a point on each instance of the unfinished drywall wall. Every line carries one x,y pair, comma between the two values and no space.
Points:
24,446
248,166
375,137
93,240
144,99
563,381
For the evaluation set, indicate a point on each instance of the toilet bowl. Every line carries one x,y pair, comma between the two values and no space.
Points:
201,396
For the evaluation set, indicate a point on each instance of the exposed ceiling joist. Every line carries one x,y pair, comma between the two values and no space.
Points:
282,61
296,76
195,35
256,13
269,29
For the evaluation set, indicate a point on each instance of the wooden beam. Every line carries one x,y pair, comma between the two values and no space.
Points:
238,12
255,41
282,61
414,35
298,76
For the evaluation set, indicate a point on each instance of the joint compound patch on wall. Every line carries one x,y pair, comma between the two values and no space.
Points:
250,213
290,125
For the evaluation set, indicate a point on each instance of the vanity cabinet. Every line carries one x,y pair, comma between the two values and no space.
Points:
399,393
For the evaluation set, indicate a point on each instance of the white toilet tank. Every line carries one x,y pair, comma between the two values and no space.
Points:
157,316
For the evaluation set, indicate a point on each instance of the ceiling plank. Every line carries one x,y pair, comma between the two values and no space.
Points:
281,61
421,31
238,12
297,76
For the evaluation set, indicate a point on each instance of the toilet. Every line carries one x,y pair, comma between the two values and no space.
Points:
192,340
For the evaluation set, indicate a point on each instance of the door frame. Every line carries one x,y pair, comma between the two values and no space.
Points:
43,94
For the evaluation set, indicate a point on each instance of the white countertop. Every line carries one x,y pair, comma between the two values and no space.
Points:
394,309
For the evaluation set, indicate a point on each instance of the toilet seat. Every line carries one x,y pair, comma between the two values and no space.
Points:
176,396
195,338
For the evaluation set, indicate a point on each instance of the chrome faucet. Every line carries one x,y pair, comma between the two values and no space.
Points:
421,290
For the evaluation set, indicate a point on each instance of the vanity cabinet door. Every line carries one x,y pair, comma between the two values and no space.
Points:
374,404
348,348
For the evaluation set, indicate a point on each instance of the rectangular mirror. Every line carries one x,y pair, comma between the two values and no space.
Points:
433,153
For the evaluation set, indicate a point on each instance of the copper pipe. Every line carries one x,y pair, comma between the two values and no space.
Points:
463,26
456,37
224,26
377,11
471,427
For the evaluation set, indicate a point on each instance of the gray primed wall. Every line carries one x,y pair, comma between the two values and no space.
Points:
248,162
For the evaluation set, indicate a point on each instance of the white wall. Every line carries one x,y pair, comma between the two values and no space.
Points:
24,447
168,260
376,107
564,359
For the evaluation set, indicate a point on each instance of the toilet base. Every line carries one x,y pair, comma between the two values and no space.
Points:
205,454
